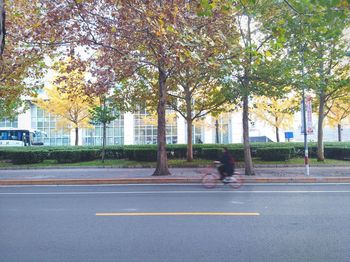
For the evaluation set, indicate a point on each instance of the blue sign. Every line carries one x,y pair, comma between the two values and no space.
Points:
288,135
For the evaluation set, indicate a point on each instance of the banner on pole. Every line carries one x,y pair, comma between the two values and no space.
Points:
308,113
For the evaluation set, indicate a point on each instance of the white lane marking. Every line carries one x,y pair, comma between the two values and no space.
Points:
180,214
178,192
237,202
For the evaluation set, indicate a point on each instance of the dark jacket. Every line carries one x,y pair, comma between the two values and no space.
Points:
228,162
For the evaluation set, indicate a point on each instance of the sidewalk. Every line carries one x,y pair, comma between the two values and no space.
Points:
64,176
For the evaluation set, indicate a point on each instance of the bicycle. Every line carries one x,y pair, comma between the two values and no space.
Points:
212,177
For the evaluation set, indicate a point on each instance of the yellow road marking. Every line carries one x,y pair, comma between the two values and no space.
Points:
181,214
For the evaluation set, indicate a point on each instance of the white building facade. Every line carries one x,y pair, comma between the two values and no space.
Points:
131,129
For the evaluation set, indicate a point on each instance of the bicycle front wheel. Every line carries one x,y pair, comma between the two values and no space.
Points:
209,180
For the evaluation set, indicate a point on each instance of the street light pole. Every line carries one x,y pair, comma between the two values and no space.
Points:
306,149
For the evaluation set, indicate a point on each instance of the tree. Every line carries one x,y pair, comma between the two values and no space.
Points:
129,35
277,112
21,65
257,22
315,29
103,114
67,98
196,88
339,112
73,111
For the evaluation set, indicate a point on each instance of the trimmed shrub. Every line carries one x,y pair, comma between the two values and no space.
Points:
74,156
275,153
340,153
237,153
5,153
145,154
177,151
27,157
114,152
141,154
211,153
299,150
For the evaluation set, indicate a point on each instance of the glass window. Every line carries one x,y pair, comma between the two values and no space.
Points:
115,132
6,122
46,122
224,129
145,128
40,113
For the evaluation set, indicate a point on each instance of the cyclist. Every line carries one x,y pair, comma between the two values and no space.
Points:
227,168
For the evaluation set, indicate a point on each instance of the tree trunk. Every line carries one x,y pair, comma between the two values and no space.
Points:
248,163
76,135
217,131
277,130
277,134
162,161
104,142
189,139
339,132
320,146
249,171
2,26
189,125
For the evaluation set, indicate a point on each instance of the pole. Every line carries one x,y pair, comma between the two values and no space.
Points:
306,150
216,131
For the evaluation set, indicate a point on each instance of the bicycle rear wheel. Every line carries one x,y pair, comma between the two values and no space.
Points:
210,180
236,181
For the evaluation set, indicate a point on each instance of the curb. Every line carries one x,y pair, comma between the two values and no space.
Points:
148,180
168,180
272,166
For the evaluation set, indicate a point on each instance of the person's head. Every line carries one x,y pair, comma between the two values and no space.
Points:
225,149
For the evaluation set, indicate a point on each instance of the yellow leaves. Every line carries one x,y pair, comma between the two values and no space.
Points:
274,111
344,4
72,110
339,113
268,53
66,98
171,29
161,27
152,119
37,25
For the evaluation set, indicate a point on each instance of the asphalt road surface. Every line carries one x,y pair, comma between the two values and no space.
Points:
175,223
95,173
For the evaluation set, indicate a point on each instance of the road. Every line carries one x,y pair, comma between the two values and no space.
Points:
175,223
95,173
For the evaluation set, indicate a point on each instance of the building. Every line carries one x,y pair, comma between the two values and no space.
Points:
133,129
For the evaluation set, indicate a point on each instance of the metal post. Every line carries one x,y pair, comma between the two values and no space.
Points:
306,150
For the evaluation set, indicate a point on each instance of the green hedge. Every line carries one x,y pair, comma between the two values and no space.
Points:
216,153
237,153
114,153
178,151
141,154
211,153
275,154
74,156
266,151
27,157
340,153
